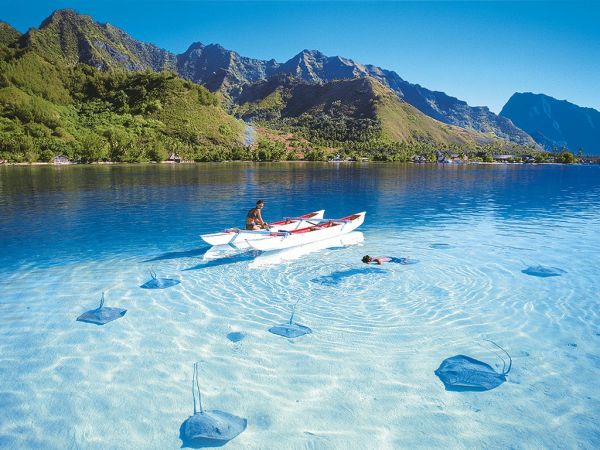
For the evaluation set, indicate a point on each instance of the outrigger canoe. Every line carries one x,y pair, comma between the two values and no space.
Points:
233,236
327,228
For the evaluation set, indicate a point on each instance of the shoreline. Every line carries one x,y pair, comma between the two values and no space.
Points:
170,163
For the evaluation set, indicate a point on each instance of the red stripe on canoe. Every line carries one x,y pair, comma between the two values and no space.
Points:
285,222
324,225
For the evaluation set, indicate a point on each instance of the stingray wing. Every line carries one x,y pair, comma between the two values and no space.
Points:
543,271
213,425
290,330
160,283
102,315
463,373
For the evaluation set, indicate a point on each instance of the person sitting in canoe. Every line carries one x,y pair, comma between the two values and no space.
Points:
381,259
254,220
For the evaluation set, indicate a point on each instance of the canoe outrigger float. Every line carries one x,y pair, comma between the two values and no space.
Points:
239,238
326,228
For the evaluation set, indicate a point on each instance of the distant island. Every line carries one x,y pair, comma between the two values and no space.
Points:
74,90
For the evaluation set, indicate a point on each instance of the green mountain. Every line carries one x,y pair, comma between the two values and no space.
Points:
51,104
359,110
69,37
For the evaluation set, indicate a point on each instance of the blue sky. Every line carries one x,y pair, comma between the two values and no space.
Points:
481,52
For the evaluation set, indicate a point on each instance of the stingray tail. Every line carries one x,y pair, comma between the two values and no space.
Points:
499,355
101,302
504,372
294,310
153,274
196,387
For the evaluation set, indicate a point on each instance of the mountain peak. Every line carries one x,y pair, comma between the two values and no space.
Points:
6,25
199,46
65,12
61,15
316,54
73,38
8,34
544,97
219,47
195,46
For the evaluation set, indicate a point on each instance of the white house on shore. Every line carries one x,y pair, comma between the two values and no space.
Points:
174,158
60,159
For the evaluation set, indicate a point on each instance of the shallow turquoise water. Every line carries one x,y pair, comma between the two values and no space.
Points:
365,377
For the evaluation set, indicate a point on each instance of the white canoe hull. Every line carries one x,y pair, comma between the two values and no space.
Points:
307,236
285,255
240,237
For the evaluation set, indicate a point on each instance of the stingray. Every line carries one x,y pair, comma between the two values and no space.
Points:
159,283
439,246
235,336
102,314
290,329
463,373
336,278
209,427
543,271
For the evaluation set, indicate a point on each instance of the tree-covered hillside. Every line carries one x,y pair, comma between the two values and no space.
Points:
357,116
49,108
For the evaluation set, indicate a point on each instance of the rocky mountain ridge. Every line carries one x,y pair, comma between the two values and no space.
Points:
350,109
315,67
77,38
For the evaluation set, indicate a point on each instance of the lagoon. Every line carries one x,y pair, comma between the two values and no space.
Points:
364,377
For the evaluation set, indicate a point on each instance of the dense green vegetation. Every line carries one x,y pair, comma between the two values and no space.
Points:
91,115
361,118
8,35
